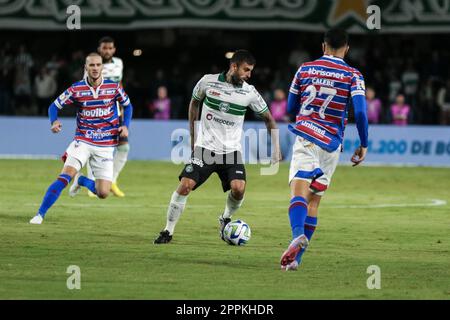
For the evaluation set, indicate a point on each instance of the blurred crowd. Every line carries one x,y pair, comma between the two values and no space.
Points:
404,83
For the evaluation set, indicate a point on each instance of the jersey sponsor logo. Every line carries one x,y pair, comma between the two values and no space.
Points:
97,135
332,74
224,107
197,162
210,117
99,112
84,93
214,93
312,127
112,91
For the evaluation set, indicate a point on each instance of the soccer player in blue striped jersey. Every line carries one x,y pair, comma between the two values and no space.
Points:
97,134
320,95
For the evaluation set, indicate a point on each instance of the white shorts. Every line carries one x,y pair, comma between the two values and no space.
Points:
313,164
100,159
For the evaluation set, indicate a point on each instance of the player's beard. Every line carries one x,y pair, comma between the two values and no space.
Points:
236,80
107,60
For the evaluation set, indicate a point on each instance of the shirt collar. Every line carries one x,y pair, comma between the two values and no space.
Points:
332,57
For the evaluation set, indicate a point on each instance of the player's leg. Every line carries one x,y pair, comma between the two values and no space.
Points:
193,176
233,179
120,159
310,222
304,168
74,159
101,164
90,175
328,162
53,192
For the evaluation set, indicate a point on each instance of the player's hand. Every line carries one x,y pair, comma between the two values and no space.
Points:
359,155
56,126
123,132
276,157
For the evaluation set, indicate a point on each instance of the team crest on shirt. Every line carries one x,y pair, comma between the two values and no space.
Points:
224,107
189,168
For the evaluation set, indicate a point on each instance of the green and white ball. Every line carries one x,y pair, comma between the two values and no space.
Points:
237,233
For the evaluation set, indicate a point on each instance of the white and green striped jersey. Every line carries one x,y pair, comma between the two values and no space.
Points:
113,70
223,111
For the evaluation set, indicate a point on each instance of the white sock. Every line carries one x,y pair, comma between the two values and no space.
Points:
231,206
90,174
176,207
120,158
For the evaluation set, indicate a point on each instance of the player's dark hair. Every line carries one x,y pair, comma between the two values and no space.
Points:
336,38
241,56
106,39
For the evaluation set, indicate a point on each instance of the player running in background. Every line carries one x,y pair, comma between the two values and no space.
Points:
113,70
96,136
320,94
226,97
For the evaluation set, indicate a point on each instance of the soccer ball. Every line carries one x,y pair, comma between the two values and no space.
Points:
237,233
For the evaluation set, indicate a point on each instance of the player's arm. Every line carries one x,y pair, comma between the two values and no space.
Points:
127,107
198,94
293,103
56,125
272,128
64,99
259,106
362,124
194,111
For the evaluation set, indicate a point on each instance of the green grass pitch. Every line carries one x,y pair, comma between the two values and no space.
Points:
395,218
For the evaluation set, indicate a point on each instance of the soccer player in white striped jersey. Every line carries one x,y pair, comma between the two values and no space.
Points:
224,98
113,70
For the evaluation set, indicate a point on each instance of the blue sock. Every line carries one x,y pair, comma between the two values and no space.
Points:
88,183
297,215
310,227
53,193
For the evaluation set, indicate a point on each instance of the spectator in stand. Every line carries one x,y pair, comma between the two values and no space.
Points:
395,85
160,107
373,106
6,79
443,101
278,107
45,85
400,111
23,63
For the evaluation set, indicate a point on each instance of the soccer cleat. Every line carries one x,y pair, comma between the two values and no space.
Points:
293,266
294,248
75,187
164,237
116,191
222,223
91,194
37,219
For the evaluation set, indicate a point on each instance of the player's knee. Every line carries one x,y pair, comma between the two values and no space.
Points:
238,189
186,186
102,194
